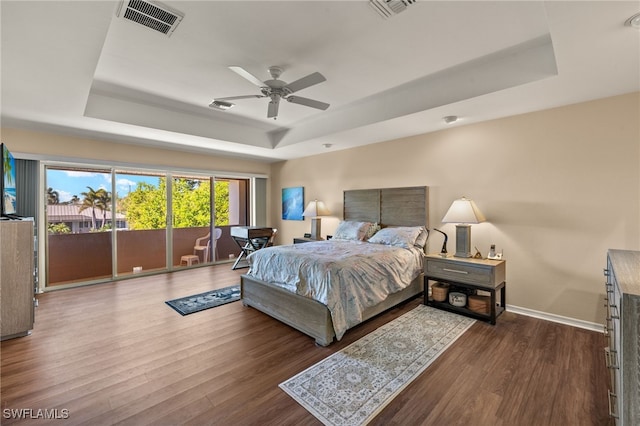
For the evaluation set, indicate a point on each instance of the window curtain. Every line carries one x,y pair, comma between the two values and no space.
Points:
27,188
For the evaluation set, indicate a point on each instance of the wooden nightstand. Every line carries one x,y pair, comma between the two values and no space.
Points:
300,240
467,275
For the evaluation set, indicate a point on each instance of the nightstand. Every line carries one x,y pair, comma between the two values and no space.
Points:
467,275
300,240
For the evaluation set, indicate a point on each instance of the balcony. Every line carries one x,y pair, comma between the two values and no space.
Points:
87,256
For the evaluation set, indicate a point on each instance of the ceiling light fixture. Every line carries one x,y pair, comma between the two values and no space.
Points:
634,21
221,105
450,119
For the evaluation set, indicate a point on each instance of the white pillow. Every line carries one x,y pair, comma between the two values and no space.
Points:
351,230
401,236
422,238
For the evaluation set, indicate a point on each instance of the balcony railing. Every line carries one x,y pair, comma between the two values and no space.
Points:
88,257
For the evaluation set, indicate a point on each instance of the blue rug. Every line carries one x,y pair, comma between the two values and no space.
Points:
210,299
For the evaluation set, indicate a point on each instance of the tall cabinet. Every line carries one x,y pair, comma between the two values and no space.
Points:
623,331
16,278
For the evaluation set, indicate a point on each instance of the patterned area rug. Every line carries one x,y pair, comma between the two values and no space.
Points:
210,299
352,386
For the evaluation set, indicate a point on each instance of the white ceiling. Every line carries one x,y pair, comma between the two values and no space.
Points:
75,68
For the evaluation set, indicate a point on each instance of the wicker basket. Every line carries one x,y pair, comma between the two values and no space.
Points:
479,304
439,291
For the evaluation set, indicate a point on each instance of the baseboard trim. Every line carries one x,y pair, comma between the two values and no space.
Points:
592,326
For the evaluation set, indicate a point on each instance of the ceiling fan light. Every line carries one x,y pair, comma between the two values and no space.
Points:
221,105
275,89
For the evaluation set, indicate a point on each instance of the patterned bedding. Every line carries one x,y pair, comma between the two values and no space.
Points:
346,276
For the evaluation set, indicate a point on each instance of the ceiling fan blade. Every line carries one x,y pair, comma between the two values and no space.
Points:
305,82
247,75
272,111
308,102
231,98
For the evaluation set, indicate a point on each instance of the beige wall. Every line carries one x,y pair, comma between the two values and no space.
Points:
54,146
558,187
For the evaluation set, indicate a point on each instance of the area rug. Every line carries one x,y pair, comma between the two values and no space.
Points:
210,299
353,385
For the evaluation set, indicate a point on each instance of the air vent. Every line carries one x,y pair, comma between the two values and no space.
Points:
154,15
389,8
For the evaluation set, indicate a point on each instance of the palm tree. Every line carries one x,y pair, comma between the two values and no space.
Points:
90,201
53,197
103,203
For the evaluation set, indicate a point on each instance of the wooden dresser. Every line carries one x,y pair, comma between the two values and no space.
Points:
623,332
16,278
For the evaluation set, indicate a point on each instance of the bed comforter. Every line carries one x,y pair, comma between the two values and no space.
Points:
346,276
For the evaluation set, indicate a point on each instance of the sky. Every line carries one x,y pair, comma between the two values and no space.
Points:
69,182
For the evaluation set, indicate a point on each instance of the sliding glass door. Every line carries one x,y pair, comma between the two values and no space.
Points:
142,242
79,223
94,236
191,214
203,211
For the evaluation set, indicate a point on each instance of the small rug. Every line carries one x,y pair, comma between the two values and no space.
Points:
210,299
353,385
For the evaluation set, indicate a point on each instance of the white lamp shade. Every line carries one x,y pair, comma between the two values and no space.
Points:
463,210
316,208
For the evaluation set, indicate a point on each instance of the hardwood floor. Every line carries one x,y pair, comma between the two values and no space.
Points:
116,354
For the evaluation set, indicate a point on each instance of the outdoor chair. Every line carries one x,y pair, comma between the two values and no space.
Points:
203,244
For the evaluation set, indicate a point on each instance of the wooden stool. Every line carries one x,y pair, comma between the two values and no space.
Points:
189,259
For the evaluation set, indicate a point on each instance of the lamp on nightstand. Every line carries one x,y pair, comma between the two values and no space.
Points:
315,209
463,213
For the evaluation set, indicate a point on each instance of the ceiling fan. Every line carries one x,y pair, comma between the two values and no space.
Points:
275,90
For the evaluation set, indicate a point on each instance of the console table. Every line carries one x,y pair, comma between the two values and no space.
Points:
469,274
249,239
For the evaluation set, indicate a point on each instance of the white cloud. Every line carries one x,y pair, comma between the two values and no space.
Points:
63,196
77,174
125,182
125,185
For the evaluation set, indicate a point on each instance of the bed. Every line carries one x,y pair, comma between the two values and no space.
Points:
279,279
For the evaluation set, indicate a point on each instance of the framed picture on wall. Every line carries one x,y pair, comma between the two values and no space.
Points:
292,203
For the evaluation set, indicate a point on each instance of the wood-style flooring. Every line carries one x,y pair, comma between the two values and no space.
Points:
117,354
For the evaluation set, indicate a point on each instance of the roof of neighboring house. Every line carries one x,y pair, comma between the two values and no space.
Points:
72,213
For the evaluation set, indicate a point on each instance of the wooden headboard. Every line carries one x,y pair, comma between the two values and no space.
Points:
388,206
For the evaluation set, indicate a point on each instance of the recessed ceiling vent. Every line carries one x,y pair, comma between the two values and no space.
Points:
389,8
154,15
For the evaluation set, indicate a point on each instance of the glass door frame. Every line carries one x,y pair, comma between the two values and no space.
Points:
114,167
43,237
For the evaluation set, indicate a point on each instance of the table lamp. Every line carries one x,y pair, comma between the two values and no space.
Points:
463,213
315,209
